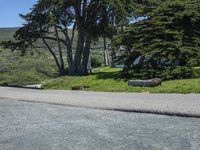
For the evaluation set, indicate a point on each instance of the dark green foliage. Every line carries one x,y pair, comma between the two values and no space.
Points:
166,73
166,44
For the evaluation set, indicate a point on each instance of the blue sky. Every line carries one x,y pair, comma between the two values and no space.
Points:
10,10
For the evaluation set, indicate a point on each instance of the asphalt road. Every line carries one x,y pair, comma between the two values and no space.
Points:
170,104
42,126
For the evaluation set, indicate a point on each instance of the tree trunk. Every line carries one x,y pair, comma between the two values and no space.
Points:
89,65
68,44
86,53
69,58
62,67
61,70
78,55
106,55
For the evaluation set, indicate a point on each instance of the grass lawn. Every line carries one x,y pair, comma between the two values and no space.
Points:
109,80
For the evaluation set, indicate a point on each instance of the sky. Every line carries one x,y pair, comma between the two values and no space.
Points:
10,10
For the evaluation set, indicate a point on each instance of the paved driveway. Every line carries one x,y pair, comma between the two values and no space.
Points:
171,104
40,126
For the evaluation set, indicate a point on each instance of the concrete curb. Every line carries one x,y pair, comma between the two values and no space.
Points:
34,87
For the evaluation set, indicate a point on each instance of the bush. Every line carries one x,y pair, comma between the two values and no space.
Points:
46,69
30,69
180,73
166,73
95,62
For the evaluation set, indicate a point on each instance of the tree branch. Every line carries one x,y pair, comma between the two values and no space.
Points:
50,50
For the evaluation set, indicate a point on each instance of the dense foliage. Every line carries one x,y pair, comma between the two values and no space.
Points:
166,43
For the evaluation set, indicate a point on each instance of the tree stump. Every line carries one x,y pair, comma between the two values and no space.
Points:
148,83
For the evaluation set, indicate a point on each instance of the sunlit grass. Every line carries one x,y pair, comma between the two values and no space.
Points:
110,80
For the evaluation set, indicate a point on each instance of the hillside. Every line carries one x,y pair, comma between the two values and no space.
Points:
16,70
7,33
96,48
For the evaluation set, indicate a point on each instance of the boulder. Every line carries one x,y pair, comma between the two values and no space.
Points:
35,86
148,83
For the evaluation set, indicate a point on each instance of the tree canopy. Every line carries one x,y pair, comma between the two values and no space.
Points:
169,37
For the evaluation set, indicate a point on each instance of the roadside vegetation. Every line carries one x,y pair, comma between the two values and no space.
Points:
62,41
110,80
17,70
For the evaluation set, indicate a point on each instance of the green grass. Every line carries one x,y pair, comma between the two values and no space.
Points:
109,80
29,69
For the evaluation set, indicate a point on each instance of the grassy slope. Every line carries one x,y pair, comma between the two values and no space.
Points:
108,79
29,69
17,70
26,72
7,33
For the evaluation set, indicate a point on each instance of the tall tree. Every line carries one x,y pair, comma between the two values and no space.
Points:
169,37
53,20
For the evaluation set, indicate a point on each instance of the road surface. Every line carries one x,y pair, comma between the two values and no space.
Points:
170,104
42,126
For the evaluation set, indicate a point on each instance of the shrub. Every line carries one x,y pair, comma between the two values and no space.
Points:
95,62
45,69
181,73
166,73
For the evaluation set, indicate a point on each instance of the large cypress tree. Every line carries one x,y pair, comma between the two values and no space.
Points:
52,20
168,38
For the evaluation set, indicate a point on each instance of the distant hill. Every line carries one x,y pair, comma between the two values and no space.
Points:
7,33
96,48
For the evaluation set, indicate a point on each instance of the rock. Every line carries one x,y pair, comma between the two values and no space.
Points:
36,86
149,83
